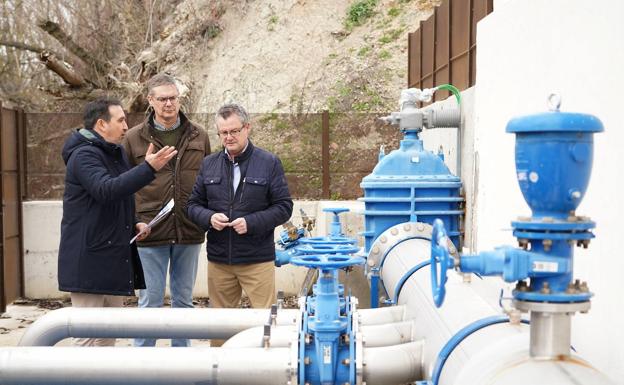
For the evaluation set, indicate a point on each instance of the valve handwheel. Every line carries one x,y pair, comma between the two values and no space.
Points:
327,249
440,260
326,261
335,210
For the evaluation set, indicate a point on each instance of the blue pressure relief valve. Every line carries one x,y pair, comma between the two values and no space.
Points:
553,156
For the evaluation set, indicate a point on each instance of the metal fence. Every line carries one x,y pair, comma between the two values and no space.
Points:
443,49
12,188
325,155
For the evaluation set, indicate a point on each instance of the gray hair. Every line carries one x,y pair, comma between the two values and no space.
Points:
161,80
229,109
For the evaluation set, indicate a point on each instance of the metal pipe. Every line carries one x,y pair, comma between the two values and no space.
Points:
281,336
146,366
381,315
489,351
162,366
443,117
387,334
390,365
147,323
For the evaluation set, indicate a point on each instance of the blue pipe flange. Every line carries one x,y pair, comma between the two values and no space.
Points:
441,262
392,237
457,339
384,244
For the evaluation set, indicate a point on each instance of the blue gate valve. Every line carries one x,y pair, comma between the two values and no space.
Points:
325,322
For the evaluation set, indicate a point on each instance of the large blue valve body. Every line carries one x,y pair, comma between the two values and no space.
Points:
554,153
410,184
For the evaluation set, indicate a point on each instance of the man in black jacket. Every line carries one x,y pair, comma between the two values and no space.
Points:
239,197
96,262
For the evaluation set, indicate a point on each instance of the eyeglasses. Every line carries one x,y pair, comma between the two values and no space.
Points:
233,133
165,99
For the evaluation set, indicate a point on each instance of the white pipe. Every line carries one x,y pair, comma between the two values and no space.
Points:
463,305
147,323
380,315
390,365
181,366
168,323
281,336
516,367
146,366
387,335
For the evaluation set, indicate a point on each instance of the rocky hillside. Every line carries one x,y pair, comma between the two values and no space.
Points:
298,55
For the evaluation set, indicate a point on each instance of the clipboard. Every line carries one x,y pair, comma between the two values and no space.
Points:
157,219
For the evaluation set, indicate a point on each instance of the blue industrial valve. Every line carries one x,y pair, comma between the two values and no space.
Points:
326,341
554,152
293,241
336,236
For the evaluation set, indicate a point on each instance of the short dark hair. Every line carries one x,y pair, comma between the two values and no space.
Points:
98,109
229,109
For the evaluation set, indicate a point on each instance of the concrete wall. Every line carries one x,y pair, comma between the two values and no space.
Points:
42,223
447,140
526,50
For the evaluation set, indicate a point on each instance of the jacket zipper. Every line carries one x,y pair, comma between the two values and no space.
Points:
229,166
242,190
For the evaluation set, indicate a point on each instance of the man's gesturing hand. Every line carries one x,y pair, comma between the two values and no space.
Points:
159,159
219,221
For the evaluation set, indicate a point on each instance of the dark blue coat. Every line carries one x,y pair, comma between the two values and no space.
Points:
262,198
95,255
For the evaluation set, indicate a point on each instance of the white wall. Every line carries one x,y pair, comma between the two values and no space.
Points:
446,138
42,224
526,50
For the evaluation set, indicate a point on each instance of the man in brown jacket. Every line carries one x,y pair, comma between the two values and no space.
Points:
176,241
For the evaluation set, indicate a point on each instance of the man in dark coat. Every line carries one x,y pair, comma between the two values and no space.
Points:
97,263
239,197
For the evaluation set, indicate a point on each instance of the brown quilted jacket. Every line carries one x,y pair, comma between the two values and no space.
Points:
175,180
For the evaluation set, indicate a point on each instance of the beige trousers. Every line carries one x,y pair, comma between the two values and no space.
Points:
227,282
95,300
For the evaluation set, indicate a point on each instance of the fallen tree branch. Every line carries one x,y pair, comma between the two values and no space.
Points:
70,77
26,47
56,32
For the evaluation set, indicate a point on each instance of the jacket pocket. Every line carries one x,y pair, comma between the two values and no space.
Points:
214,188
254,188
147,210
193,156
